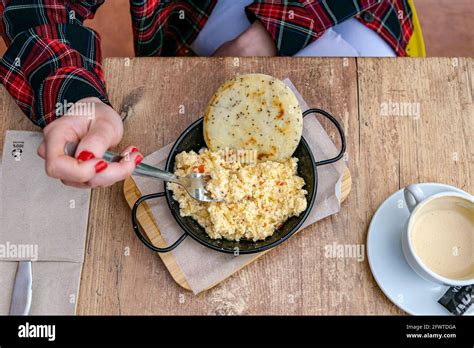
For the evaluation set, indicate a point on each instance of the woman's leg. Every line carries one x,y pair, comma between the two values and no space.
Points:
227,21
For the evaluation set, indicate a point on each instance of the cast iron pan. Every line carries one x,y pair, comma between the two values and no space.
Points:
192,139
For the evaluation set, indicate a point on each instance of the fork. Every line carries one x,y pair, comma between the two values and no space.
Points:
194,184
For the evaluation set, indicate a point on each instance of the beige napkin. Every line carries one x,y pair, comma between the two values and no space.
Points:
44,221
203,267
55,287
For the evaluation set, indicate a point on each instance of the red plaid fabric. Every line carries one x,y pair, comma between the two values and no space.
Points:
54,59
295,24
393,21
167,28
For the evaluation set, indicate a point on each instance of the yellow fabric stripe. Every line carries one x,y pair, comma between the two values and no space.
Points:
416,45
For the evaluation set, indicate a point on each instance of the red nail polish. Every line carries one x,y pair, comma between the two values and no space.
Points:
138,159
85,155
134,149
100,166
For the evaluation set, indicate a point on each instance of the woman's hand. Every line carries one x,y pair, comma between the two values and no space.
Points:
255,41
95,127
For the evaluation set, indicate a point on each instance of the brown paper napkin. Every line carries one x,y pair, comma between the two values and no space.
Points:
41,220
39,210
203,267
55,287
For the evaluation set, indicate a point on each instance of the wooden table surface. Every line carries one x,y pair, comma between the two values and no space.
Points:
160,97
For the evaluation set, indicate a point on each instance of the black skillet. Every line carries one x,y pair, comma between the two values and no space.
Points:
192,139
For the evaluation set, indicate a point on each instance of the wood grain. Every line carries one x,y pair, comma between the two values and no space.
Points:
150,228
121,276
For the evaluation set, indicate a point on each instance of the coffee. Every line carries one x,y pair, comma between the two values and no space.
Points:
442,235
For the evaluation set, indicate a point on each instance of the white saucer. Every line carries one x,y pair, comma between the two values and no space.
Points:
395,277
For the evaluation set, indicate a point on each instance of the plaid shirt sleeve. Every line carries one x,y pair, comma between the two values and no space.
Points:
295,24
392,20
167,28
52,59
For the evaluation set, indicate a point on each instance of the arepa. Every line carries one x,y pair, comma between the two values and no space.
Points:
254,112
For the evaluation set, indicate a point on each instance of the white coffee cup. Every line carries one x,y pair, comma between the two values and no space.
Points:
416,200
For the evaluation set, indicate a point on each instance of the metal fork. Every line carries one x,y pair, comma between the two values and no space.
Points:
194,184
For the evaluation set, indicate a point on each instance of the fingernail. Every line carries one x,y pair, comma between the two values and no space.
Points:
134,149
138,159
85,156
100,166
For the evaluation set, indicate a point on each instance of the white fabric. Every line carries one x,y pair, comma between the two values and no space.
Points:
365,41
348,39
227,21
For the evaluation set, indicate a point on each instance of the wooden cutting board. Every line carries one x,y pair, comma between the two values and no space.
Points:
147,222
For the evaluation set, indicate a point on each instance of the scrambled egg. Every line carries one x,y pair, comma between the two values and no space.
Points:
259,198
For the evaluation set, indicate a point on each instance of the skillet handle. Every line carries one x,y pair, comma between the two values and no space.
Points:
139,232
339,129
